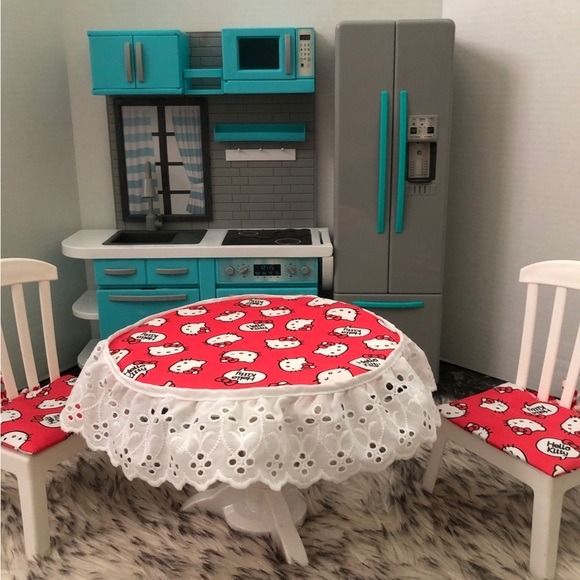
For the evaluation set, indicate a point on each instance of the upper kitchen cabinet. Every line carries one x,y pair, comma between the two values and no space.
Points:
138,62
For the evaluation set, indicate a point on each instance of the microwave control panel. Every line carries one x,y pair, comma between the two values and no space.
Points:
305,43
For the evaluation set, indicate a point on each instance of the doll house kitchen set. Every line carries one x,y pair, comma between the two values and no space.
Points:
212,146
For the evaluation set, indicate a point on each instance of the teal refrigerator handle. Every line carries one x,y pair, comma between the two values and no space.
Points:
403,305
402,166
382,191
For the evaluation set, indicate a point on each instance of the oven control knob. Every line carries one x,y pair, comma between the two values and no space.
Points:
230,270
292,270
305,270
243,270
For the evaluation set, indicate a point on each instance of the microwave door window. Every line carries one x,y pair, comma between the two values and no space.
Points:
259,53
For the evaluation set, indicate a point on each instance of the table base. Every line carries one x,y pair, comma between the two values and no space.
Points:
259,510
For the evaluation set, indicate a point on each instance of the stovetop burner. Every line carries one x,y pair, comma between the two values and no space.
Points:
285,237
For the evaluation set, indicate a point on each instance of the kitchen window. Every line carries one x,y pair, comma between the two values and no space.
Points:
167,139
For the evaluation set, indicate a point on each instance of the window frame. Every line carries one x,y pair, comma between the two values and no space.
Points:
160,103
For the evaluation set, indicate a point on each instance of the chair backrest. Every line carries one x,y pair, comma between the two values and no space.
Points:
564,275
14,273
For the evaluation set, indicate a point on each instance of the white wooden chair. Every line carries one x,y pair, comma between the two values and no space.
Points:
541,435
32,441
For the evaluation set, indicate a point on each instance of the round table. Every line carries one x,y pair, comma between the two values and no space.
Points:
259,394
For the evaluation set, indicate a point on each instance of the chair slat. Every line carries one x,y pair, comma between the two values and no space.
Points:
48,329
527,336
552,345
7,373
571,381
24,335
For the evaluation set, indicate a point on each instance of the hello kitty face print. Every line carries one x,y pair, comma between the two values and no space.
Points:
50,420
494,405
341,313
156,322
266,340
292,365
194,328
14,439
478,430
331,349
9,415
222,340
300,324
284,342
52,404
229,316
571,425
384,342
524,426
187,365
515,452
453,410
239,356
166,349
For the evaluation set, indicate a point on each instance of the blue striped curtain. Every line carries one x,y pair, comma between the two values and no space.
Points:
138,126
187,128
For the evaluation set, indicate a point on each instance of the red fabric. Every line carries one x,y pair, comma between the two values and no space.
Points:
254,342
31,421
544,435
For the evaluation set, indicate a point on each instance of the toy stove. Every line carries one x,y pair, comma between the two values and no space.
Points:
274,261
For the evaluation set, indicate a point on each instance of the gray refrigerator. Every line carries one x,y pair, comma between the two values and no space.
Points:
393,86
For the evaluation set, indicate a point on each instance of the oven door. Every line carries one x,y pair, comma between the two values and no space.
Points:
259,54
278,290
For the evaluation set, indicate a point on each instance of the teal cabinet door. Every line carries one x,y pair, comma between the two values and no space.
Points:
124,306
112,65
157,62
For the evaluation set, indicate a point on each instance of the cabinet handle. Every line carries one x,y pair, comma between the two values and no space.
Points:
288,54
139,61
403,305
172,271
128,65
120,271
402,170
383,160
156,298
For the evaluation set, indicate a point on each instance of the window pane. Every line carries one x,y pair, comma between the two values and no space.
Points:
178,178
179,203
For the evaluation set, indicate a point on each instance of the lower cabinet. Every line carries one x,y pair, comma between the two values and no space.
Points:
131,289
120,307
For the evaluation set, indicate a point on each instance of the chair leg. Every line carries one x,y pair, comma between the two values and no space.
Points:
430,475
545,531
34,509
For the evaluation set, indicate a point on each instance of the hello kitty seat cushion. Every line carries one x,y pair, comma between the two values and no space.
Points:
31,421
543,434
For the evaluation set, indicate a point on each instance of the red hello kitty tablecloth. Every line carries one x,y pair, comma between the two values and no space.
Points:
277,389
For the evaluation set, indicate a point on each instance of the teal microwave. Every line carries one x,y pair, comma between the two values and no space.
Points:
269,60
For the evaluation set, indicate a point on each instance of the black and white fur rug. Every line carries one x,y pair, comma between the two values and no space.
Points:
475,526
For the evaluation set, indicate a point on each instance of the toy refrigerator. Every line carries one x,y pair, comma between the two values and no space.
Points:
392,128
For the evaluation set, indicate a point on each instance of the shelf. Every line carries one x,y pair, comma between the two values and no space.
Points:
203,81
86,306
260,132
86,352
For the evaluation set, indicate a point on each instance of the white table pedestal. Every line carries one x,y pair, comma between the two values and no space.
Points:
259,510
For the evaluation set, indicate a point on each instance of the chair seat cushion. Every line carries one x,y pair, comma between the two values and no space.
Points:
31,421
543,434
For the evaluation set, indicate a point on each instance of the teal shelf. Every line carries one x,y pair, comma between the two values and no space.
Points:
260,132
203,81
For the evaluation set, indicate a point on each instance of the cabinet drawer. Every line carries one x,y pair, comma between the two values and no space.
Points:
120,307
166,272
120,272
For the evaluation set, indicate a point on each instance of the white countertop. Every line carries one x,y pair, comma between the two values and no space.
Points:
88,244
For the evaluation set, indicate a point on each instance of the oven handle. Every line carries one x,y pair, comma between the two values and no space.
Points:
403,305
156,298
288,53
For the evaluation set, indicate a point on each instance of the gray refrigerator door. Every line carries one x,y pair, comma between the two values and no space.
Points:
423,69
422,324
364,73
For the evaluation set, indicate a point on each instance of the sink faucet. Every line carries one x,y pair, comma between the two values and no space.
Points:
153,219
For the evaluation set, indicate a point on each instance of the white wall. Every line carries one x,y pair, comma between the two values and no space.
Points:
88,112
40,204
515,169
